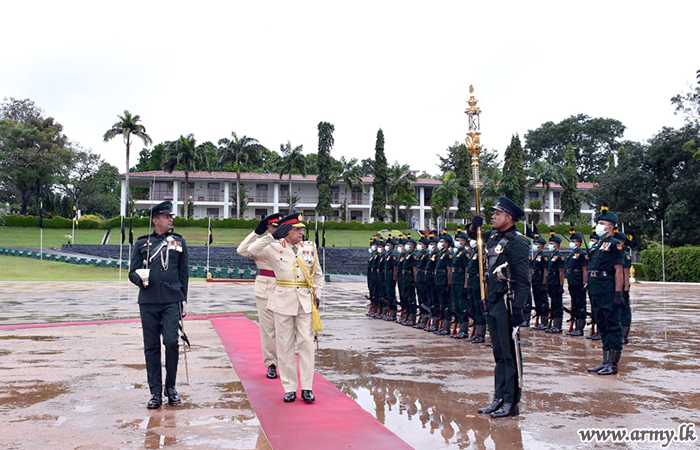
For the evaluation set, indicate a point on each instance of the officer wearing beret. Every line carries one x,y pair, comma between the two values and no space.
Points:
443,283
538,266
605,284
577,277
555,283
264,284
460,297
298,283
162,299
508,282
421,288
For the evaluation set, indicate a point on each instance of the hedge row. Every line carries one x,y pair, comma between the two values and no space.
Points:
682,264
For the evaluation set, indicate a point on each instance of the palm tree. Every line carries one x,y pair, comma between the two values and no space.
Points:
545,174
448,190
292,159
351,176
400,186
183,152
126,126
490,190
239,152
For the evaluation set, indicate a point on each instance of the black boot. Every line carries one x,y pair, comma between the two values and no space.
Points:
480,336
578,327
542,325
155,402
556,326
611,367
392,316
173,397
606,359
495,404
526,321
506,410
411,320
463,331
625,334
423,321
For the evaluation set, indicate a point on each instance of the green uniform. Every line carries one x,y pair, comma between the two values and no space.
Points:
421,289
626,314
432,301
459,300
539,289
577,260
555,290
442,287
474,289
389,281
159,302
409,296
605,255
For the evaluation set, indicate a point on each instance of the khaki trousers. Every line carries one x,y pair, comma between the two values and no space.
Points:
267,332
288,330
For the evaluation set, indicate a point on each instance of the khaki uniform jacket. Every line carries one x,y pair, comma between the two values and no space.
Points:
291,289
263,284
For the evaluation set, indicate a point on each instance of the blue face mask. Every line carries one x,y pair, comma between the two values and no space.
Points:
550,247
572,245
457,245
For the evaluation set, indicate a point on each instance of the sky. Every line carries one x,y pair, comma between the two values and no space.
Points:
273,70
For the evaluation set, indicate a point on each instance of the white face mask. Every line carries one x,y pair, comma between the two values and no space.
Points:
387,248
600,230
379,250
472,243
370,250
591,244
374,248
431,247
550,247
440,245
572,245
399,249
458,245
419,247
535,247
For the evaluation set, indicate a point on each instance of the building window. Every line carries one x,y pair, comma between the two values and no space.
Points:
189,185
261,193
213,186
533,195
213,213
309,214
260,213
356,216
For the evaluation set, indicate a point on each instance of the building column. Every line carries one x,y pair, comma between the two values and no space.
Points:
551,208
227,199
276,198
176,196
371,195
421,219
124,201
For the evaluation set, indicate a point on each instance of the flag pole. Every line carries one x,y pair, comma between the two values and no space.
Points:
663,257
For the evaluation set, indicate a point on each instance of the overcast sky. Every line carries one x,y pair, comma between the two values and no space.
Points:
274,69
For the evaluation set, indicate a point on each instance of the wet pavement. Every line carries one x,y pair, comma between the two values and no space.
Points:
84,386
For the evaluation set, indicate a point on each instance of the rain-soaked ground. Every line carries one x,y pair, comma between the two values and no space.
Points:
84,386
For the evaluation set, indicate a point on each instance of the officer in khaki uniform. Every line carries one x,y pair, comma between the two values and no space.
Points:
297,275
264,283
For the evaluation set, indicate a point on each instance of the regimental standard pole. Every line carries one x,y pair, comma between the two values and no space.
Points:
474,146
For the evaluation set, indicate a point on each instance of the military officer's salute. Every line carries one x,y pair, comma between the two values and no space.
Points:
508,290
162,299
298,280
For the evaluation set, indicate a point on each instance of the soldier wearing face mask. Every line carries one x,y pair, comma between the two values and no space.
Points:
595,333
430,284
410,273
421,281
443,283
392,257
538,266
379,277
401,281
577,277
554,279
475,294
459,283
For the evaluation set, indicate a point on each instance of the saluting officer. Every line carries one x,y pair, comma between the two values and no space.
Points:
162,299
539,283
298,280
264,284
555,283
508,270
577,277
605,283
460,297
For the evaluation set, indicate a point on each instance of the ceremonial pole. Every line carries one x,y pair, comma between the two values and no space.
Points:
474,146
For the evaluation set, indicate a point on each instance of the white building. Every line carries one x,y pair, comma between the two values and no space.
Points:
213,195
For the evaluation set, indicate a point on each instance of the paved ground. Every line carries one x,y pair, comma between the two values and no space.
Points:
83,387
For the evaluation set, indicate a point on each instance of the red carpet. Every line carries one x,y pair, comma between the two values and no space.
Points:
333,421
101,322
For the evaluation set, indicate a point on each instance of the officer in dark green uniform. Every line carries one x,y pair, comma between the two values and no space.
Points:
379,280
433,301
370,275
390,261
460,301
410,273
555,283
475,295
508,285
595,335
626,313
443,283
577,277
162,299
539,287
421,288
606,284
401,280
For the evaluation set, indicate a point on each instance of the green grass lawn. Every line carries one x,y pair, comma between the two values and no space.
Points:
14,268
29,237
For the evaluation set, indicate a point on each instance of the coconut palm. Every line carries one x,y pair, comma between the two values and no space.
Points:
239,152
292,159
185,153
126,126
351,176
400,186
545,174
447,191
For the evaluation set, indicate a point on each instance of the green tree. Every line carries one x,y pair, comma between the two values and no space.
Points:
592,139
324,179
351,176
127,126
514,180
443,195
101,192
291,160
545,174
185,152
458,160
536,207
381,176
400,188
687,104
570,198
490,190
238,152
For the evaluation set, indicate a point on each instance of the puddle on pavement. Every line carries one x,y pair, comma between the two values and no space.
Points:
31,338
135,366
23,394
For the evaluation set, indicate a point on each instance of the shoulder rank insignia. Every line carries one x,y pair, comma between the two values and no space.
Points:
554,258
620,246
575,256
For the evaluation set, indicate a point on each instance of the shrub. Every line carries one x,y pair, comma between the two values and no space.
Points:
682,264
639,271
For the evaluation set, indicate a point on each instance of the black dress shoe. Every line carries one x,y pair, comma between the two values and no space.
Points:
495,404
308,396
155,402
506,410
272,371
173,397
290,397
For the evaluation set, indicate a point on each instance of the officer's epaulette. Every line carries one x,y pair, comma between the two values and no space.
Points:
174,234
145,236
308,243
